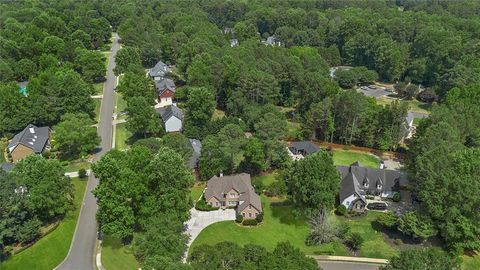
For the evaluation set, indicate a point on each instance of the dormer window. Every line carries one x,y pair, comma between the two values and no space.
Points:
365,183
379,186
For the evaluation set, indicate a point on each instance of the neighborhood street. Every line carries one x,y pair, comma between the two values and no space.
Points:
81,253
333,265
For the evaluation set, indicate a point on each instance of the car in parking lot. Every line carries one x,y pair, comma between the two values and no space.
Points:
377,206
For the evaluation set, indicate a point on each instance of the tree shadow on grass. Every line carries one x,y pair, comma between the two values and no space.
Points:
284,212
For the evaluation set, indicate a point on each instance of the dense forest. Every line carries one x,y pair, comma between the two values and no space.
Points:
57,47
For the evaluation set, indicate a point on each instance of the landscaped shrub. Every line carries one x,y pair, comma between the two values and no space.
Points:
259,217
341,210
82,173
397,241
396,197
277,188
387,220
201,205
250,222
258,185
369,197
342,230
239,218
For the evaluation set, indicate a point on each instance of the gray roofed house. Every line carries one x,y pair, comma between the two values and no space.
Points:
7,166
358,181
196,151
172,117
31,140
408,126
303,148
159,71
272,41
234,190
164,84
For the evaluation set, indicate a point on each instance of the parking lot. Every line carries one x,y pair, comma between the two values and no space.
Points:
374,91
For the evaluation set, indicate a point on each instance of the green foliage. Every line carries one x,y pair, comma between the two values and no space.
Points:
136,85
127,59
142,118
341,210
249,222
259,218
313,182
199,110
348,78
239,218
417,259
75,136
202,205
82,173
397,197
355,241
91,65
388,220
414,225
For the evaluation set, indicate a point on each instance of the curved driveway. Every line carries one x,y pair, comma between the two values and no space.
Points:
81,253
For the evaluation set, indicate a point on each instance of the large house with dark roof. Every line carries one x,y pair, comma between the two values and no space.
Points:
301,149
159,71
172,118
358,181
165,89
31,140
234,191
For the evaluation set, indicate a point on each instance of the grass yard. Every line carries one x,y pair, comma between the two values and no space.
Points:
196,191
121,136
76,165
98,103
98,88
120,103
414,105
266,179
50,251
471,263
115,255
293,129
280,224
374,245
345,158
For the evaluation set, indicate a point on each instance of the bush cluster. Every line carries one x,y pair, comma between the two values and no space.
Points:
250,222
202,205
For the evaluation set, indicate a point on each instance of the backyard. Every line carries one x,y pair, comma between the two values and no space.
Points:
50,250
345,158
197,190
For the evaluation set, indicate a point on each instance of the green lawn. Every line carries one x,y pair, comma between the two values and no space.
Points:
293,129
266,179
120,103
117,256
280,224
196,191
50,251
471,263
98,103
414,105
121,137
346,158
98,88
76,165
374,245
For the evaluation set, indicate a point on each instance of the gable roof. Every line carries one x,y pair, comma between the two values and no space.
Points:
354,178
159,70
217,186
164,84
305,147
197,148
169,111
33,137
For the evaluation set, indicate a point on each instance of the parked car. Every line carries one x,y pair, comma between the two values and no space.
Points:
377,206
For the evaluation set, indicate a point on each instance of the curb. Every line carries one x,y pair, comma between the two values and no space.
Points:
98,257
348,259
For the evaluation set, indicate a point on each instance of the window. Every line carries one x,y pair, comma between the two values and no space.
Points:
243,214
216,204
232,195
348,202
250,215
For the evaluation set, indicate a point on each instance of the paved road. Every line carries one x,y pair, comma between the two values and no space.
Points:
81,253
347,266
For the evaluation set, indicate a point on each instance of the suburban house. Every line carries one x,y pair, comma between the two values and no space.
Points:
159,71
358,181
234,191
272,41
165,89
408,126
31,140
301,149
172,118
196,146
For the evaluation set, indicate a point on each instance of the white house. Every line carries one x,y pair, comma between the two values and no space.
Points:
172,118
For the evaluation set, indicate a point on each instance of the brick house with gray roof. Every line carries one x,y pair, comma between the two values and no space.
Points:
31,140
234,191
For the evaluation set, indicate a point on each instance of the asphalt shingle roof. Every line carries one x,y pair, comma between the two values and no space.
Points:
159,70
164,84
169,111
35,138
303,147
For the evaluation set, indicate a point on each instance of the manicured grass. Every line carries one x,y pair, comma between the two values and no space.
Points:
346,158
98,103
414,105
115,255
121,136
76,165
266,179
120,103
471,263
374,245
196,191
280,224
293,129
98,88
50,251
